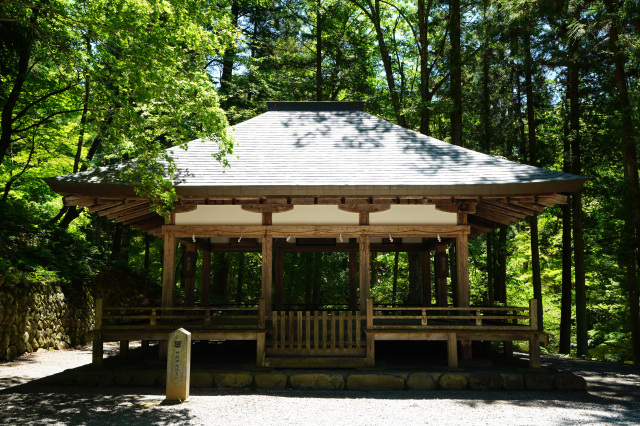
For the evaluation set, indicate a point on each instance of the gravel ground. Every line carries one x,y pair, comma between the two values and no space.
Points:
614,398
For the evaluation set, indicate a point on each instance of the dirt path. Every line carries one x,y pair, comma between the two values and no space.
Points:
613,398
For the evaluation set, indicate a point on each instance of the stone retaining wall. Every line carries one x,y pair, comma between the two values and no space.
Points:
528,380
32,318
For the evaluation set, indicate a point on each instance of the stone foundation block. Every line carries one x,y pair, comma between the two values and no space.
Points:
567,381
421,381
106,379
452,381
317,381
200,379
539,381
512,381
122,378
485,381
271,381
144,378
374,382
234,380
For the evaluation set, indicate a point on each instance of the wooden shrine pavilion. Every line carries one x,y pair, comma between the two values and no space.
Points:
326,176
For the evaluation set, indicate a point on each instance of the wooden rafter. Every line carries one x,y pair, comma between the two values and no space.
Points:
126,205
138,209
499,209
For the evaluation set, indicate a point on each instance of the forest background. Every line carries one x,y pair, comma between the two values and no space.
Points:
548,83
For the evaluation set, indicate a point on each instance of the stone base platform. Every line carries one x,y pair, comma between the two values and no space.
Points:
230,366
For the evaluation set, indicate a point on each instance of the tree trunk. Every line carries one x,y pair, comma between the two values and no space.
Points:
373,13
490,270
228,60
415,278
220,275
632,190
318,51
6,121
126,245
394,290
147,252
456,74
582,337
501,276
567,285
425,95
116,244
533,160
85,109
240,283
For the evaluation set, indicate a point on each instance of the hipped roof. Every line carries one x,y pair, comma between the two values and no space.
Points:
312,148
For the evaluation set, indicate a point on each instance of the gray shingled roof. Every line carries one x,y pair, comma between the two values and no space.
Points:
337,152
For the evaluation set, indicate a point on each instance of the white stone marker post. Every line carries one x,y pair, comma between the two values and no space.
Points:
178,366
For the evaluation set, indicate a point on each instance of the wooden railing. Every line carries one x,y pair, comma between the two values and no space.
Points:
193,317
316,333
450,318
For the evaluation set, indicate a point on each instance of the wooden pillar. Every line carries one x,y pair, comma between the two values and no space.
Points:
189,271
267,259
462,269
98,347
124,348
534,351
426,278
168,281
168,270
463,294
353,281
278,280
442,268
452,350
365,282
205,282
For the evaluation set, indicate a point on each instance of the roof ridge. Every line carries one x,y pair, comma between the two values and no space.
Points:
315,106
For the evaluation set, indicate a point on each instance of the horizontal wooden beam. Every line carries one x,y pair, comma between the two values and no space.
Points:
317,231
267,208
364,208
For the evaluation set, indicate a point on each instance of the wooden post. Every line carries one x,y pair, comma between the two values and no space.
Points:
441,277
353,281
371,351
533,315
278,280
365,282
452,350
190,280
124,348
463,293
98,348
260,348
534,351
168,270
462,269
168,281
426,278
178,367
267,259
205,282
